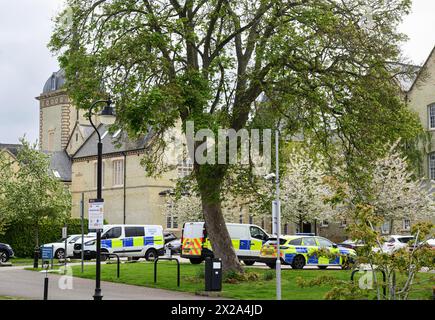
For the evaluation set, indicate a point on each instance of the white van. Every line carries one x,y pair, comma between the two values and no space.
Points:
136,241
247,240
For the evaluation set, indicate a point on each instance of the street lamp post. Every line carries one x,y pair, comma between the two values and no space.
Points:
278,221
106,117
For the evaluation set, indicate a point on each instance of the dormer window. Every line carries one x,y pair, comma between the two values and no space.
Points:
432,116
53,83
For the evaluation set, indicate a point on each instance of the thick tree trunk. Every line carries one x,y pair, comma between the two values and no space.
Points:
210,180
219,236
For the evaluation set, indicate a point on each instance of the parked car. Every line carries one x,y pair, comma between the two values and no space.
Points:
134,241
427,243
169,236
59,246
351,244
6,252
174,246
299,251
247,240
394,243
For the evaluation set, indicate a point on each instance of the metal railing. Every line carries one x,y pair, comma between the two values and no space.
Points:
168,259
117,258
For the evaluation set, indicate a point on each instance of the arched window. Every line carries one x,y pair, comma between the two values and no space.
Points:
432,166
431,111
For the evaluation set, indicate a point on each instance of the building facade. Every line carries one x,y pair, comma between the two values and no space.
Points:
67,136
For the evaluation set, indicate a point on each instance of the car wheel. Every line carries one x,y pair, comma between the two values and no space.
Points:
271,265
249,262
151,255
298,262
195,260
60,254
322,267
103,257
4,256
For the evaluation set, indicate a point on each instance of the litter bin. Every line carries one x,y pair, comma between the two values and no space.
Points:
213,274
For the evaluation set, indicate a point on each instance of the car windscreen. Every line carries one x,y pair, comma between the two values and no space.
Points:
405,239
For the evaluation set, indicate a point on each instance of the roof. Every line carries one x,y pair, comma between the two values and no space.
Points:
61,165
55,82
111,143
12,148
404,74
423,67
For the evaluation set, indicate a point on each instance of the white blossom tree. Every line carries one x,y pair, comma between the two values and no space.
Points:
303,190
395,194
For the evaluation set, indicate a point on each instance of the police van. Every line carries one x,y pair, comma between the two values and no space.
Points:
247,240
136,241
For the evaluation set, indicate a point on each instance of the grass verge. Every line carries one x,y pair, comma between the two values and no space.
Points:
259,287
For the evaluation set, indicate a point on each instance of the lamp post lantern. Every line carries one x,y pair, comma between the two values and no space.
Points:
107,116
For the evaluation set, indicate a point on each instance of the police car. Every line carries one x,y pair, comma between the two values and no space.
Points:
299,251
135,241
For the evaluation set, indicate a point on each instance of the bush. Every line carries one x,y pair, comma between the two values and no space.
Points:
236,277
21,235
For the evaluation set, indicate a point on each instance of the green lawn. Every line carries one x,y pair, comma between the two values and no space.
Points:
142,274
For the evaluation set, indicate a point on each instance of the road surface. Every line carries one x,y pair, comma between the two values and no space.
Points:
16,282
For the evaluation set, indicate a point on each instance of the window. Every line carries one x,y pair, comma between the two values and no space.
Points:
113,233
324,243
343,223
184,168
73,240
296,242
77,137
118,172
251,219
241,217
263,223
103,169
286,228
309,241
171,219
257,233
116,134
406,224
56,174
385,227
134,232
324,223
405,239
432,116
432,166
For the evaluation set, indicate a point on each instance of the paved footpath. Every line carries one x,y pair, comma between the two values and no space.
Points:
16,282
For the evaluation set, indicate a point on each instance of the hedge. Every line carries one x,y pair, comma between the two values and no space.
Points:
21,236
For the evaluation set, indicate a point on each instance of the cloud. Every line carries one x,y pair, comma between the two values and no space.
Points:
26,63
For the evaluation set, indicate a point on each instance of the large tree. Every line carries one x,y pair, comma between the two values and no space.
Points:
31,193
210,62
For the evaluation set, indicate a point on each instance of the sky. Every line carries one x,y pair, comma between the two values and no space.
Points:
26,63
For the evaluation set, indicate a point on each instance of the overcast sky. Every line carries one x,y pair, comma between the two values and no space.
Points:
26,63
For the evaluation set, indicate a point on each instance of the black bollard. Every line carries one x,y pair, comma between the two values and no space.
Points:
46,288
35,257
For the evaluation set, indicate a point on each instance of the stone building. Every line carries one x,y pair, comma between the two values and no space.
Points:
67,136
